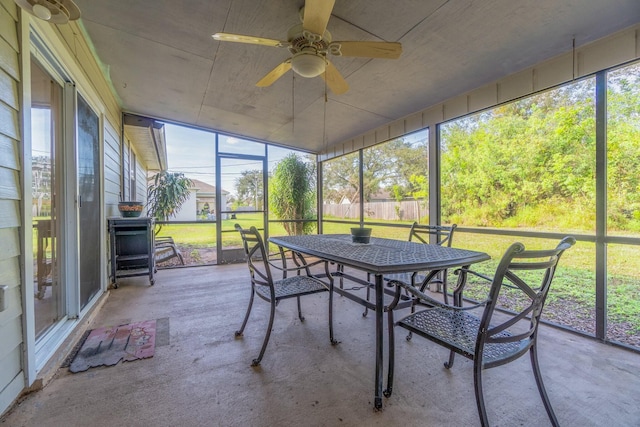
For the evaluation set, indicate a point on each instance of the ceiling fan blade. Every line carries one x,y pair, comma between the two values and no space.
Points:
275,74
316,15
388,50
239,38
334,79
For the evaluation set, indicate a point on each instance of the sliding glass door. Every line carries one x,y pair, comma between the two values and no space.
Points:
89,178
46,148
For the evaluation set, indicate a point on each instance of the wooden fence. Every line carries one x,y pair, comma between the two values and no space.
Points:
407,210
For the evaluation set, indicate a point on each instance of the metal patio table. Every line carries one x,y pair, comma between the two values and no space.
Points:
379,257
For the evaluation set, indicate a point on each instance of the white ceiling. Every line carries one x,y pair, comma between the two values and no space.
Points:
163,62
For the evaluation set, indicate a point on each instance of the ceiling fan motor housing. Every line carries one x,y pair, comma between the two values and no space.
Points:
301,39
309,51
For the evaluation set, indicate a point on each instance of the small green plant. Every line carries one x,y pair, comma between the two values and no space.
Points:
195,254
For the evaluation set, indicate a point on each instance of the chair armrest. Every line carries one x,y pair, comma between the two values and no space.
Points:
299,261
424,299
164,239
297,268
473,273
482,276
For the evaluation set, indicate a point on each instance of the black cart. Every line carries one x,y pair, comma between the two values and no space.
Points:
132,248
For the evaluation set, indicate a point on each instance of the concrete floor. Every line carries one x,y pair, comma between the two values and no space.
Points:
202,375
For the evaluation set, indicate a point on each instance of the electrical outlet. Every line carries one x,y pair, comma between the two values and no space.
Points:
3,297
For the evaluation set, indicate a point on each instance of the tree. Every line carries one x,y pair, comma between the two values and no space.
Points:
250,188
517,164
292,194
166,194
384,166
421,191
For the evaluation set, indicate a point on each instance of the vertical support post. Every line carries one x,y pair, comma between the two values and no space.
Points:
320,195
218,200
434,176
601,204
361,185
379,287
265,196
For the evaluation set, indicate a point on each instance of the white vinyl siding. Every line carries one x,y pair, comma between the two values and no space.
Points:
111,169
141,182
12,378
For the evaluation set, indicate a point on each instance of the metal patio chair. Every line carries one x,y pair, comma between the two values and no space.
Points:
477,337
422,234
166,249
296,281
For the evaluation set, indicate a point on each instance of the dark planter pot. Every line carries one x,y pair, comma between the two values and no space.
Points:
360,235
130,209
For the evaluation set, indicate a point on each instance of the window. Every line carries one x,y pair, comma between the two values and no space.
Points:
132,176
292,192
623,204
341,193
529,166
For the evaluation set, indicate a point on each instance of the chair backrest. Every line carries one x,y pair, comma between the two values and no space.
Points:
423,233
519,269
257,257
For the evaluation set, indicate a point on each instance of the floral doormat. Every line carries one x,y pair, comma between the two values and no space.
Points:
109,345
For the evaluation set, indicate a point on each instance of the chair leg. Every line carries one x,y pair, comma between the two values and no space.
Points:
410,334
387,392
477,384
449,364
340,270
331,339
300,316
246,316
536,373
366,309
256,361
445,292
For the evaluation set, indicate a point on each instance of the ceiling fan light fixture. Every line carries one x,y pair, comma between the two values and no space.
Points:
308,64
41,12
52,11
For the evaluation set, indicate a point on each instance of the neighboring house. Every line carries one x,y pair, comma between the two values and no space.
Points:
382,196
206,197
201,197
187,211
345,200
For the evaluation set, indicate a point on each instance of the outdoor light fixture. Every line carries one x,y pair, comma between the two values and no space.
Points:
41,12
308,64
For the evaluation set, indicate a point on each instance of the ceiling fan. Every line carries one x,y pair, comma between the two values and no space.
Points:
309,44
54,11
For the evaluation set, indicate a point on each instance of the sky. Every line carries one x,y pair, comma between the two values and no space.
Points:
192,152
